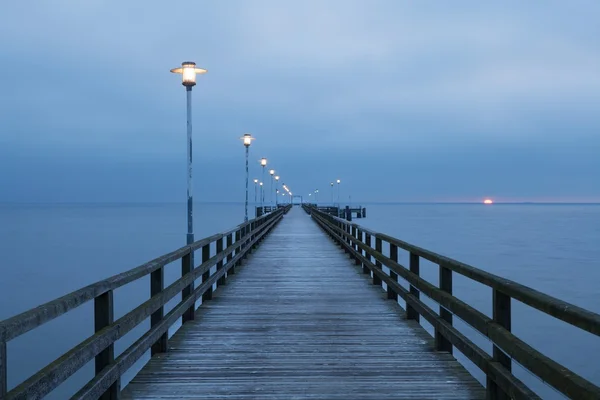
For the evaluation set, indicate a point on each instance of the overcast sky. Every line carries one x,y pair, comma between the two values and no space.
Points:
403,101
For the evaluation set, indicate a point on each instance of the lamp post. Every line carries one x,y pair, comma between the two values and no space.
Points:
255,191
188,73
338,185
262,211
272,173
276,190
247,140
317,196
332,203
263,163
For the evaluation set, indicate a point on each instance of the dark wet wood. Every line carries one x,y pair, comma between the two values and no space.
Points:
301,321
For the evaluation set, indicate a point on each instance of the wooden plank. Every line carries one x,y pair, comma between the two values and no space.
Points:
300,321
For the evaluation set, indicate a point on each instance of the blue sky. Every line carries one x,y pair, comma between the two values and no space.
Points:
403,101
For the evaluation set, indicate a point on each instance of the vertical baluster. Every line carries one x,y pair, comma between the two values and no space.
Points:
502,316
411,313
352,238
186,268
229,258
441,343
3,367
366,269
358,249
157,284
238,237
391,294
220,263
103,317
378,248
206,276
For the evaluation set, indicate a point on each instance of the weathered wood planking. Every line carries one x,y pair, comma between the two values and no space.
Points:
300,321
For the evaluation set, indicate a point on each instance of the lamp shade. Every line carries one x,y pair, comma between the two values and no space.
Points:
188,72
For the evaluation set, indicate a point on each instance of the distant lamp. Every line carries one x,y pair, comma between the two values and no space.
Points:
188,73
263,162
277,177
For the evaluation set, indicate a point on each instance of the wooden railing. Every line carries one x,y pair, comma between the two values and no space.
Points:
231,247
501,383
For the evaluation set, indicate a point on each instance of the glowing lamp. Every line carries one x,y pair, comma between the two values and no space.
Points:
188,73
247,139
272,172
277,177
263,162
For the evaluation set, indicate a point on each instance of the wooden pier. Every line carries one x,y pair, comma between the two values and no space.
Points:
289,314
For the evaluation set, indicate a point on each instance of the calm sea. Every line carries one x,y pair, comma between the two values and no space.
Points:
50,250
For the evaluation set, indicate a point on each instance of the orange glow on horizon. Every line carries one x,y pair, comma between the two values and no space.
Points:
488,201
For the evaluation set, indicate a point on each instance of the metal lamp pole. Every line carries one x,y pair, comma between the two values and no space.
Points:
247,139
332,203
276,190
272,173
188,72
338,185
255,191
263,162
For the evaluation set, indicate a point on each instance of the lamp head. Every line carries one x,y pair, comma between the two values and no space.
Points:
247,139
272,172
261,184
256,181
263,162
277,177
338,181
188,73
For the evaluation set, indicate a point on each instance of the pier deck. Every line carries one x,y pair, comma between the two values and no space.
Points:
300,321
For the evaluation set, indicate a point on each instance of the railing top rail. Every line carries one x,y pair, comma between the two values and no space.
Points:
562,310
24,322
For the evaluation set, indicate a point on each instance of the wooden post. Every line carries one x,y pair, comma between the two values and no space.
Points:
229,258
366,269
3,367
502,316
186,268
238,237
378,248
220,263
157,284
411,313
353,237
441,343
348,214
391,295
206,276
253,227
103,317
359,237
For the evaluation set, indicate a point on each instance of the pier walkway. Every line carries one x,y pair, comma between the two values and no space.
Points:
300,320
293,307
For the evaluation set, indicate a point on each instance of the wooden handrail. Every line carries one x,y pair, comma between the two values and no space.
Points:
498,328
106,382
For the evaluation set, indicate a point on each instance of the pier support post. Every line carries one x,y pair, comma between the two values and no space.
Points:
378,248
502,316
441,343
157,283
228,244
220,263
366,269
3,367
206,276
186,268
103,317
391,295
411,313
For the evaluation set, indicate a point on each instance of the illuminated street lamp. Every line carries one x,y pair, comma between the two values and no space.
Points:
188,73
272,173
247,140
332,203
338,185
261,196
276,189
263,163
317,196
255,190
